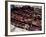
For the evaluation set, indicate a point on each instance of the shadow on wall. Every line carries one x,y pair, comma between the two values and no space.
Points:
9,36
